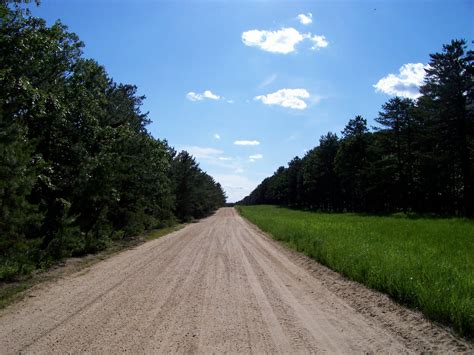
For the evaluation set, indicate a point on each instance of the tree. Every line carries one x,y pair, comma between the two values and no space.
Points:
319,178
397,142
351,164
78,166
448,109
295,182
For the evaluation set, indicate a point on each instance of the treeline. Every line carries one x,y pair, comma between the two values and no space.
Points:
419,159
78,167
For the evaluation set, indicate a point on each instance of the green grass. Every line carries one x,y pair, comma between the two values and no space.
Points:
425,263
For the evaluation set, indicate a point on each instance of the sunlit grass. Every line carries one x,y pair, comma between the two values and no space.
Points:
427,264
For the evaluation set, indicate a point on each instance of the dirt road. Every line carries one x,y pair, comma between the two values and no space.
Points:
219,285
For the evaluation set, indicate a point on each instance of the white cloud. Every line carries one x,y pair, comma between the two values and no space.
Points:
192,96
254,157
202,152
230,101
318,41
217,136
207,94
280,41
292,98
305,19
244,142
225,158
406,84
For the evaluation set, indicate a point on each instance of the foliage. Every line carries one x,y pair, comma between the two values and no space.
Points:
425,263
420,159
78,167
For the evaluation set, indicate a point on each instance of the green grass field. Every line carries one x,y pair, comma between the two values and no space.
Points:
427,264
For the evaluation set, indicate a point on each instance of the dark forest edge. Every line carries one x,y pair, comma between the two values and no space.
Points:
78,168
419,160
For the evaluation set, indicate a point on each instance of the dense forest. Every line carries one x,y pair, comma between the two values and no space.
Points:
78,167
418,159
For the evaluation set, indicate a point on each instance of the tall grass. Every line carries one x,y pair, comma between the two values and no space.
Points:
427,264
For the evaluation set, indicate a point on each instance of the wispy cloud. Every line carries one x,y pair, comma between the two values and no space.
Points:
406,83
217,136
208,94
282,41
214,157
291,98
202,152
255,157
305,19
267,81
246,142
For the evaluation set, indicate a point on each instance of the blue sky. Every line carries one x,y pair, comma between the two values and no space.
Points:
247,86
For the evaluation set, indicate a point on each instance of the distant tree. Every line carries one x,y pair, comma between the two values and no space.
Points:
277,187
295,182
351,164
197,194
321,185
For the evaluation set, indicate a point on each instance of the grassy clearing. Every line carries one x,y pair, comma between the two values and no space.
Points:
427,264
13,291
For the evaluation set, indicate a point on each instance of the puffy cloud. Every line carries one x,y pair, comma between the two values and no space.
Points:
244,142
292,98
305,19
280,41
254,157
217,136
318,41
192,96
406,84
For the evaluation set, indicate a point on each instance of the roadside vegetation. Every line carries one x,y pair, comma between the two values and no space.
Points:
425,263
419,158
13,290
79,171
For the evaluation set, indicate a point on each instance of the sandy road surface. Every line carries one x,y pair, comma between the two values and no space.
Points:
215,286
